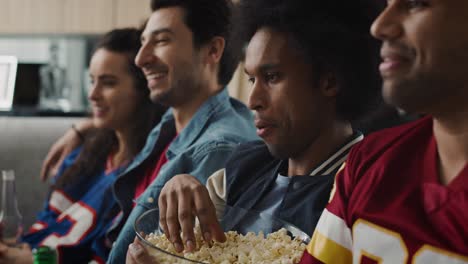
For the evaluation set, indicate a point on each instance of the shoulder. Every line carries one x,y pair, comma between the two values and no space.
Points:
395,137
240,149
232,116
232,120
256,149
225,133
378,148
248,158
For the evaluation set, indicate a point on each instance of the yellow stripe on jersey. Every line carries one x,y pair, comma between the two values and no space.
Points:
334,228
328,251
331,242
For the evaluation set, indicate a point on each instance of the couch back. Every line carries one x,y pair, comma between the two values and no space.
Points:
24,143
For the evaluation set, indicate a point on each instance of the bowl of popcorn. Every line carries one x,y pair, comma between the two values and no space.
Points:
251,237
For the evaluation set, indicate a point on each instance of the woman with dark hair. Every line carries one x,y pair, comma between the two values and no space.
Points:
81,206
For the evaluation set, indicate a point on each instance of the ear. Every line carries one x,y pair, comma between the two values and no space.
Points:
215,50
329,85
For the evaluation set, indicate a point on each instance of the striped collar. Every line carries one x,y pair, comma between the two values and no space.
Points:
335,161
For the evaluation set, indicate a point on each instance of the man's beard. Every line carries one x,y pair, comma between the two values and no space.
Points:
415,95
180,90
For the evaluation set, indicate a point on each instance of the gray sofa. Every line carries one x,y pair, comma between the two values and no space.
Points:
24,142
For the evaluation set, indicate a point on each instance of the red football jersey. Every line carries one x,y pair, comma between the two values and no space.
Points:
389,206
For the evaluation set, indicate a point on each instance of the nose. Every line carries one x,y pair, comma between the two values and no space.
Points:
93,93
387,25
258,97
144,56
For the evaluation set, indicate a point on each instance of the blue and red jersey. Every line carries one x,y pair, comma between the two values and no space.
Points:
75,219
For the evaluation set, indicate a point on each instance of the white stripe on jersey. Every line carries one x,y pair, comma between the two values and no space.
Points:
335,229
59,201
82,218
37,226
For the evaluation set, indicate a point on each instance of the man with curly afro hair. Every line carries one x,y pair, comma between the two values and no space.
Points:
312,67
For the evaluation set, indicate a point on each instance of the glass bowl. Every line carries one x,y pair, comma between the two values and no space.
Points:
234,219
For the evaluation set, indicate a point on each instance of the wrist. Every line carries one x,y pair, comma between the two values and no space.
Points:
79,133
84,125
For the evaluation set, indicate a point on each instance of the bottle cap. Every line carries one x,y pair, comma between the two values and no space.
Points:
8,175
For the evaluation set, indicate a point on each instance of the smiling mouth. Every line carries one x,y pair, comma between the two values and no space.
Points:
154,78
391,64
99,111
158,75
395,57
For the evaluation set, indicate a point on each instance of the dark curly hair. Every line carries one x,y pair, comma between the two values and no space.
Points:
100,142
331,35
207,19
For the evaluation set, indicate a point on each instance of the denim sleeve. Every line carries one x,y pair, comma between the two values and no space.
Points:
204,161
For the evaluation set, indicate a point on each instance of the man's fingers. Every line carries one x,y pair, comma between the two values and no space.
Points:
50,159
181,200
138,254
60,149
187,219
172,220
217,232
206,214
162,203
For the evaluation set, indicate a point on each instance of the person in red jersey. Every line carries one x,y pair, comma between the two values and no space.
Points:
402,195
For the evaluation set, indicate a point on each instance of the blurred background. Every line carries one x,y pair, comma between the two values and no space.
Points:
45,47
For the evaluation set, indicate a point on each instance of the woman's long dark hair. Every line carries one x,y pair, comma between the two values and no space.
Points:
99,143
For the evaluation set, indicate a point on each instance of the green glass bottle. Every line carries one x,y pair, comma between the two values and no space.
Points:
44,255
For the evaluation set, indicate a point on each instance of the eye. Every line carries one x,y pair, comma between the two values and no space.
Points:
272,77
415,4
251,80
109,83
159,42
161,39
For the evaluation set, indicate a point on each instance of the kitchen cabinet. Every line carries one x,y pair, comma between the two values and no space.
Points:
88,16
70,16
131,12
31,16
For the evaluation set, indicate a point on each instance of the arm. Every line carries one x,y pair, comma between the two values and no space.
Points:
207,161
62,147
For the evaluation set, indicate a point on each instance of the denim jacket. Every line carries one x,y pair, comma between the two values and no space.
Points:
200,149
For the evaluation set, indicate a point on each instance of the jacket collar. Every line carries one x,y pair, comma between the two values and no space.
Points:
334,162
